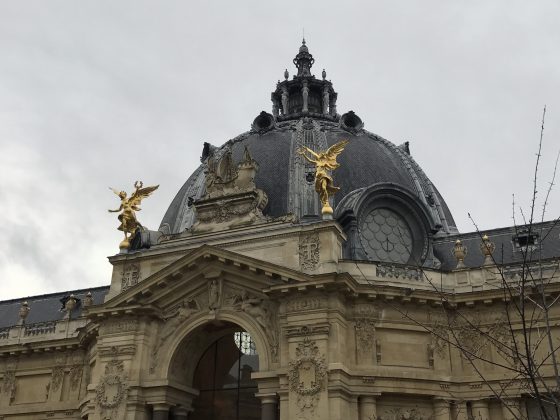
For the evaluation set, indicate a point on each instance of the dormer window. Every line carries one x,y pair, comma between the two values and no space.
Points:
525,240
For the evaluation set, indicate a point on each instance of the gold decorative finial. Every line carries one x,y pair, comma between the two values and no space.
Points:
128,208
460,252
324,163
487,247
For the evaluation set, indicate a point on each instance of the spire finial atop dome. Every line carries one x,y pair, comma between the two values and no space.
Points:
304,60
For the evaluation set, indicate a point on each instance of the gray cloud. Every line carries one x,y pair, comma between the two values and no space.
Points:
98,94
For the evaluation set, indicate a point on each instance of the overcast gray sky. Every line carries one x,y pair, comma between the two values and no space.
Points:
101,93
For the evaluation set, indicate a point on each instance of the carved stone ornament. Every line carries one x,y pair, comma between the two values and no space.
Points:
9,384
305,304
231,197
57,377
119,326
76,372
307,330
307,374
264,313
406,414
393,271
365,334
181,313
130,276
309,251
112,389
214,294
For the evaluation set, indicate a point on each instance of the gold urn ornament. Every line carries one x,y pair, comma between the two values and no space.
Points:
460,252
487,247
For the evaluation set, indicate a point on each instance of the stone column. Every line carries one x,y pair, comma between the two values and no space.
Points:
368,407
461,410
161,412
305,95
511,409
180,414
269,407
442,410
480,410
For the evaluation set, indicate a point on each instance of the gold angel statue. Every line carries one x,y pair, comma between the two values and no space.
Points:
128,208
324,163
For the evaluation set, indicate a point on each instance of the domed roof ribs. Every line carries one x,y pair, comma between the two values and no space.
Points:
424,188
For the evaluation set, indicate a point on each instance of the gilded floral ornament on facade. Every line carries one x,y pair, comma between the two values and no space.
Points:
128,208
324,162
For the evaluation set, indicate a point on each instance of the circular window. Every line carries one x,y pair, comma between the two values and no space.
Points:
386,236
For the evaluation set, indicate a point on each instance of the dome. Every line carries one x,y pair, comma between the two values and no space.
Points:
372,171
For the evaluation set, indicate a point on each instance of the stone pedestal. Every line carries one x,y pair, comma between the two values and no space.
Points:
368,407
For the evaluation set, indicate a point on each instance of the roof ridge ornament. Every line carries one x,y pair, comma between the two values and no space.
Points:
304,61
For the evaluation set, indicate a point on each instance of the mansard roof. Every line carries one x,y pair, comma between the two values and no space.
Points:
47,307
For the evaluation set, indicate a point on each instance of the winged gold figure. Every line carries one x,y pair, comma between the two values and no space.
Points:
128,208
324,163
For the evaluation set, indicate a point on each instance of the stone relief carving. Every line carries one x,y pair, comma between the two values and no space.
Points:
406,414
366,310
306,304
365,334
130,275
170,325
471,334
392,271
9,383
307,375
263,312
440,337
309,251
76,372
120,326
214,293
117,350
112,389
307,330
231,197
57,377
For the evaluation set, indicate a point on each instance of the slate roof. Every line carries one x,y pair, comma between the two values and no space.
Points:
45,308
506,250
366,160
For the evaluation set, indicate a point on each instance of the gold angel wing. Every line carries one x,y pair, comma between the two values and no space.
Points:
117,192
332,152
335,150
309,150
140,194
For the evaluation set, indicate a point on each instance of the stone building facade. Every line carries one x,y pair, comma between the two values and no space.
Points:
247,304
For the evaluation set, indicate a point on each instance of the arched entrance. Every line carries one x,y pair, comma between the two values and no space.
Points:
223,378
